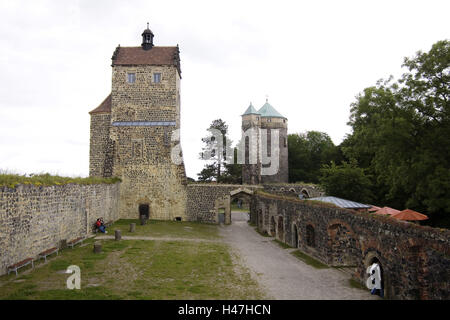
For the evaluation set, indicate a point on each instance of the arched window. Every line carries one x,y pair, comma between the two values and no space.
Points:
310,236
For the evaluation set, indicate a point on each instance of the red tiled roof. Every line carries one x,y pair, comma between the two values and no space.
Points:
409,214
387,210
104,107
139,56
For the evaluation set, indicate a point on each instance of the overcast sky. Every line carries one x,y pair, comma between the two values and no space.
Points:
310,57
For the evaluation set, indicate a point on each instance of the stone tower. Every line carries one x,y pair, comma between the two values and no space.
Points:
259,129
135,131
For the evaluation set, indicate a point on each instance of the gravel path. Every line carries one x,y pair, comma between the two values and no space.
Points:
282,275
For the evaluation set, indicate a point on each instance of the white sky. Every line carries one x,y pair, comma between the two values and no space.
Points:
310,57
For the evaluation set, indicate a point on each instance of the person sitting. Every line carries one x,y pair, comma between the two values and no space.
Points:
100,225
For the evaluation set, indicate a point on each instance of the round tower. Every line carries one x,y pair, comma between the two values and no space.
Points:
265,160
273,124
251,166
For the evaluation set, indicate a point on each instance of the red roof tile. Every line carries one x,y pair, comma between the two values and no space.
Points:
104,107
409,214
139,56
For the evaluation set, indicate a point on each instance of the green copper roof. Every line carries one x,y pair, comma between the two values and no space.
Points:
250,110
268,111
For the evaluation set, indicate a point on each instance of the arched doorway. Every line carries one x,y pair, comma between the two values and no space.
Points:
272,230
239,205
144,210
310,236
280,228
294,236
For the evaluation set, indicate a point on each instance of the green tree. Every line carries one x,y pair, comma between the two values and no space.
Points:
307,153
346,181
401,135
215,149
208,173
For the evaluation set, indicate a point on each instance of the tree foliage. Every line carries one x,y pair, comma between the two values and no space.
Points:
307,153
218,167
347,181
401,135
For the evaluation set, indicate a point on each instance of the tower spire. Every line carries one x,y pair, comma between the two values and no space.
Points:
147,38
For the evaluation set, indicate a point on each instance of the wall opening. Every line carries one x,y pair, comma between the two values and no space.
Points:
305,194
310,236
272,226
294,236
144,210
280,228
376,260
221,215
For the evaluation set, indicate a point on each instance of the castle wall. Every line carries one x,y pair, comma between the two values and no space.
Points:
294,189
34,219
143,154
204,200
414,259
101,147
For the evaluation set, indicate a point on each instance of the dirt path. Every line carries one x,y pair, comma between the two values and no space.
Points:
282,275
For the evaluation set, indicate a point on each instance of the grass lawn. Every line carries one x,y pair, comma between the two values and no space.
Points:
166,229
140,269
309,260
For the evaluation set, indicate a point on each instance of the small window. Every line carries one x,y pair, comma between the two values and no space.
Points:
157,77
268,120
131,77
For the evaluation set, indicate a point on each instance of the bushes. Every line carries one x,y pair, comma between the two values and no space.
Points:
12,180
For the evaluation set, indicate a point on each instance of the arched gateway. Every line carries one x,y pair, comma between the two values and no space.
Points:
225,203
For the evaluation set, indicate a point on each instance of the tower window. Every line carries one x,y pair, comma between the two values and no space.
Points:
131,77
157,77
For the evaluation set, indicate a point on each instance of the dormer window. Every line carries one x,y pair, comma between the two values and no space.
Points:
156,77
131,77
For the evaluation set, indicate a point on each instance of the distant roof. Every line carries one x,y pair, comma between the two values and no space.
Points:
268,111
409,214
387,210
139,56
250,110
343,203
104,107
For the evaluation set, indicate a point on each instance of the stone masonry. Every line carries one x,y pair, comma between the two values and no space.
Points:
34,219
415,260
136,136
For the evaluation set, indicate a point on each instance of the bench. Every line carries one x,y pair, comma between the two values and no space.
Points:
48,252
74,242
21,264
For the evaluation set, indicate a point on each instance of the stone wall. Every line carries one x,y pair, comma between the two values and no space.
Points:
34,219
415,260
204,200
143,154
101,148
308,190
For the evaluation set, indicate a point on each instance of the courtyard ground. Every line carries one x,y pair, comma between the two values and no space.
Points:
165,260
183,260
281,273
